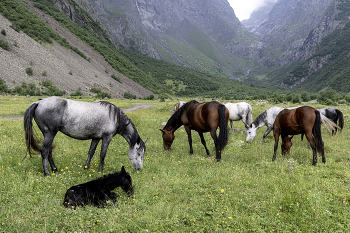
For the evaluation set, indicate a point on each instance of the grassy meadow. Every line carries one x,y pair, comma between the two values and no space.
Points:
176,191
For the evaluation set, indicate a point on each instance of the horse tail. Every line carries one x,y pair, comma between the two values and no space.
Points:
316,131
28,128
250,116
223,135
340,118
329,124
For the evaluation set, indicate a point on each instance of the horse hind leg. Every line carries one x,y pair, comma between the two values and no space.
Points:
204,143
46,153
311,141
94,143
232,126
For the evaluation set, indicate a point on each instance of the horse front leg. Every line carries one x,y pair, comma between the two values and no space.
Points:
189,136
94,143
105,144
204,143
268,130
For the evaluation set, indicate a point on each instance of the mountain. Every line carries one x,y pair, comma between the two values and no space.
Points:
201,34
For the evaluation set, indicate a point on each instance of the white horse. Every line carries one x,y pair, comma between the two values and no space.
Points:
238,111
178,105
267,118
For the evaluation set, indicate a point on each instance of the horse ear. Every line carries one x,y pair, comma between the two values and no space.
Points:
145,140
291,137
161,130
123,169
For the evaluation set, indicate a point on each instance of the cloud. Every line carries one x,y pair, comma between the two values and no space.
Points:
243,9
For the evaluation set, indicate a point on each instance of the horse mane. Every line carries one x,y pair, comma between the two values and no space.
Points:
123,120
259,118
178,113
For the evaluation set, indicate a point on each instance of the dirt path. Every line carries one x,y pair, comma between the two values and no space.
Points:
135,108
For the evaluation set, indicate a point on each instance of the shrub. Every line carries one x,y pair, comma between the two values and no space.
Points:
116,78
4,44
305,97
3,32
44,73
77,93
127,95
3,86
29,71
347,98
296,99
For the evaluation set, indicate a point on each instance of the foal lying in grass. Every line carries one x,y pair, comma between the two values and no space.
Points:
97,192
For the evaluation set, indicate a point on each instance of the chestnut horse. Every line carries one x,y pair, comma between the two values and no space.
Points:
303,120
201,117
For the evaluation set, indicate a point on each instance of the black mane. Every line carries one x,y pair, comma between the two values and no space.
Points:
176,116
259,118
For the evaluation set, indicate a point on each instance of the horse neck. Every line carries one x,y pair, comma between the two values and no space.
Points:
259,120
127,130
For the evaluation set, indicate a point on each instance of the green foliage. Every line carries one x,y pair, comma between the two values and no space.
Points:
3,86
127,95
100,94
3,32
116,78
29,71
44,73
305,96
150,97
77,93
4,44
296,99
347,98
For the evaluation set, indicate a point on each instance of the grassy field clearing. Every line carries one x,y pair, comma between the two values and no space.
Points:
176,191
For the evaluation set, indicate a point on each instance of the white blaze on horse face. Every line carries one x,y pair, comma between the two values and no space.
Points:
251,133
136,156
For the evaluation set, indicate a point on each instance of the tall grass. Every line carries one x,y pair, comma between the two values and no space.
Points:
177,191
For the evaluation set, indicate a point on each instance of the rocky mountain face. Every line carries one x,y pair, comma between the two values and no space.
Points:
202,34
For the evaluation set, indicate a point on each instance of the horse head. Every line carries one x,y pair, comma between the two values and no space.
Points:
127,182
251,133
136,153
286,144
168,138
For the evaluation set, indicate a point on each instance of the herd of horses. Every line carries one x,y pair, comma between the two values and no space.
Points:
102,120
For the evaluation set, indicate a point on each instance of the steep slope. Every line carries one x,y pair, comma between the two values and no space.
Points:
66,69
259,16
327,49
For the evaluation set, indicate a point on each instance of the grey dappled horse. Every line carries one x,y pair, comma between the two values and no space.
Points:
81,120
333,114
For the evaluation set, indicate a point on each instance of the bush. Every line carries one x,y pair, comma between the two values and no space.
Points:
127,95
3,86
347,98
44,73
29,71
99,93
305,97
116,78
4,44
77,93
3,32
296,99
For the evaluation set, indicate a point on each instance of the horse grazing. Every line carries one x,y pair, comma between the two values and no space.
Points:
267,118
201,117
178,105
240,111
302,120
81,120
335,115
98,191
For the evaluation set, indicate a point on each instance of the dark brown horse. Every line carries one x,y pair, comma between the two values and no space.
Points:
201,117
303,120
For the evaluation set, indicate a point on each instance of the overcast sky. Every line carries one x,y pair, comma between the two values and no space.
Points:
243,8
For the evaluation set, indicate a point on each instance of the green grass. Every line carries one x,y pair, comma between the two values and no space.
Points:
176,191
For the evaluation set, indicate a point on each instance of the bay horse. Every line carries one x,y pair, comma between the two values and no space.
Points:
178,105
267,118
98,191
302,120
201,117
240,111
80,120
